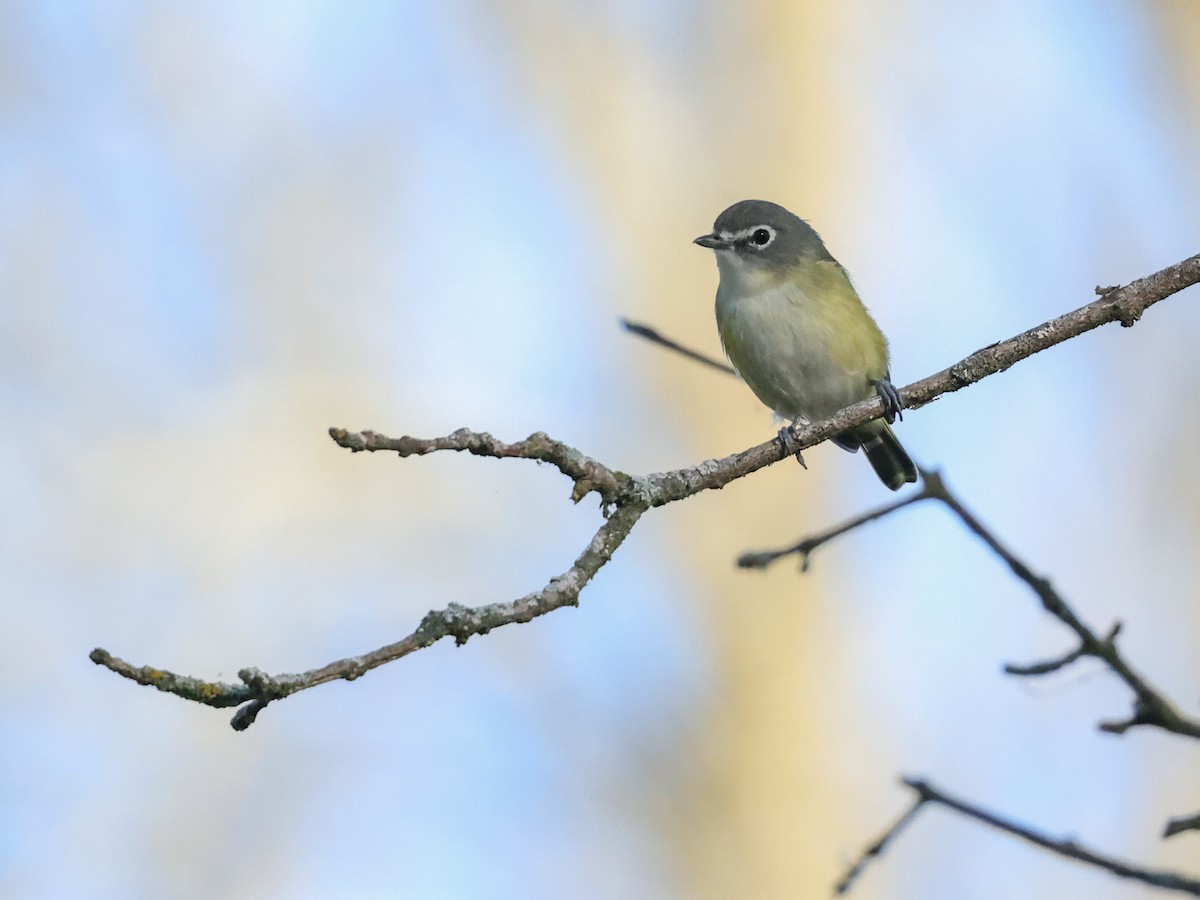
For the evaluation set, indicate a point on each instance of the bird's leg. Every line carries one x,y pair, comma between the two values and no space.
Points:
891,400
787,438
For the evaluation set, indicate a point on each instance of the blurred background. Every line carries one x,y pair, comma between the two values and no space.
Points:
226,227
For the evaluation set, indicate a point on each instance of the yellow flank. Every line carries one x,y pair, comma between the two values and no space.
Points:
855,341
801,338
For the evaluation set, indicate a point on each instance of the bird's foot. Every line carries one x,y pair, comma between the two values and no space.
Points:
891,400
787,438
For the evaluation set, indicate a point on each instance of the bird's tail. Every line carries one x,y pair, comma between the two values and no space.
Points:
889,460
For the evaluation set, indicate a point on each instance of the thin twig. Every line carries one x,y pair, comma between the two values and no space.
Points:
760,559
1046,667
654,337
874,850
1053,665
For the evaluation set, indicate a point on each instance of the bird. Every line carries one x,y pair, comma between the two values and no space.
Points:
797,333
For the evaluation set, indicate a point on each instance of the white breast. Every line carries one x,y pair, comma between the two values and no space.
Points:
780,347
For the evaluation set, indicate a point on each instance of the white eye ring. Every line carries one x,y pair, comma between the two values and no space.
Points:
762,236
754,238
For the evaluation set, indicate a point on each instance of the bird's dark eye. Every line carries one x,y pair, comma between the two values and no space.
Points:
761,236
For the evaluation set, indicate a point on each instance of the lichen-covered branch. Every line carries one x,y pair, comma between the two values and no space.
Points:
457,621
624,498
210,693
588,474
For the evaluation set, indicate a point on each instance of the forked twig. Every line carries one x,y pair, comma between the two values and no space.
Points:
1066,847
1150,706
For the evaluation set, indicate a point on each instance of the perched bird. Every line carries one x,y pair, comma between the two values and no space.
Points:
796,331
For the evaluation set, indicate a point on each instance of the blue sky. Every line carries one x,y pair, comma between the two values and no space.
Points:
227,228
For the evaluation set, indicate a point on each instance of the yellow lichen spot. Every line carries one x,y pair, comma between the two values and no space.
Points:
206,690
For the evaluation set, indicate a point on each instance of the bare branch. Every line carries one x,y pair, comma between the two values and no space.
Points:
1061,846
1150,706
1066,847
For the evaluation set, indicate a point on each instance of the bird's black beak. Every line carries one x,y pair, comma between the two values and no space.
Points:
712,242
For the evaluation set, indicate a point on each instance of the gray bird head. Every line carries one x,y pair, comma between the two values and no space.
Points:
762,235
